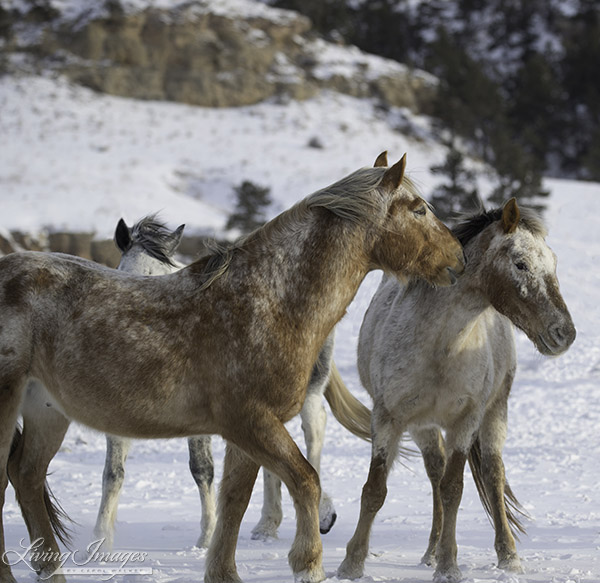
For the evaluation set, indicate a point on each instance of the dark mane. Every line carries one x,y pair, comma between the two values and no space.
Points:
155,238
470,226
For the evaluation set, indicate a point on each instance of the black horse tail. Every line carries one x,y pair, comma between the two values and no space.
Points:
514,511
56,513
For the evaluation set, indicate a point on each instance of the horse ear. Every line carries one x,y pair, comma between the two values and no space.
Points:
381,160
393,176
176,238
510,216
123,236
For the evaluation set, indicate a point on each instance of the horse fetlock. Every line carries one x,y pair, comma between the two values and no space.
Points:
327,514
206,533
265,530
306,562
219,574
105,532
429,558
49,574
46,561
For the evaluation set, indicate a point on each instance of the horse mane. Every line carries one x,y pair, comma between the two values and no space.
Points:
469,226
156,239
351,198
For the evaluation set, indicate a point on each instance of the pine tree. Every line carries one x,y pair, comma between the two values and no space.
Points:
459,193
252,201
519,175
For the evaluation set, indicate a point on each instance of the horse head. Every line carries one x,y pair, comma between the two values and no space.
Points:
520,279
148,247
411,242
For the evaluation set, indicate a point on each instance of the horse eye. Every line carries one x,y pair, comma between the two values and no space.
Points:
521,266
421,211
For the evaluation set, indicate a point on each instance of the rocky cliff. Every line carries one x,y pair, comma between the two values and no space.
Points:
208,53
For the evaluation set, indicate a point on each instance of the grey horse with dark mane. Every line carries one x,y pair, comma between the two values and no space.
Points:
444,358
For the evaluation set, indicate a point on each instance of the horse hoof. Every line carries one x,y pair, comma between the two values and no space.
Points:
512,564
48,574
325,528
327,514
315,575
348,570
451,575
221,577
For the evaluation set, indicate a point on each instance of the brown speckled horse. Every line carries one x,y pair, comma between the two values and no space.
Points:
225,345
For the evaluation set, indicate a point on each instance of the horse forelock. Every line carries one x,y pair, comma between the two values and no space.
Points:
155,238
470,226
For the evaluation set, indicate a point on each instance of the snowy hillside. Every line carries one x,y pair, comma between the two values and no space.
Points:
74,160
71,159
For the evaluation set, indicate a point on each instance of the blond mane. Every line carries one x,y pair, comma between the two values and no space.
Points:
354,198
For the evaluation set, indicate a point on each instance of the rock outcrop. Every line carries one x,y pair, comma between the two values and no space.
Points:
202,53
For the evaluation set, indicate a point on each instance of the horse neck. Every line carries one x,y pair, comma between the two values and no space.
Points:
452,313
312,270
467,304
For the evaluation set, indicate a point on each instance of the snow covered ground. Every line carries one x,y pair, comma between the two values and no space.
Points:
70,159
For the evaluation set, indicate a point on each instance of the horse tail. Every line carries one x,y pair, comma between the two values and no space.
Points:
514,510
57,515
346,408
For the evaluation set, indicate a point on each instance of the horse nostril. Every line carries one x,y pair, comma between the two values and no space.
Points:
562,335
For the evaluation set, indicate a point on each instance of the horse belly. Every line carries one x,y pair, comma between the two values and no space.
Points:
134,397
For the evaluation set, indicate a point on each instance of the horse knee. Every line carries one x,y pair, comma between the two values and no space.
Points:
308,488
203,472
114,475
201,461
373,496
374,491
451,485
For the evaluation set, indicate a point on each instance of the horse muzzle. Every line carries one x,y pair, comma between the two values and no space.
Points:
557,339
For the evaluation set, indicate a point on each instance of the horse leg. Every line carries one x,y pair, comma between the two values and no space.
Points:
239,475
266,442
431,444
117,449
11,389
384,450
44,429
203,472
314,419
451,488
492,435
271,513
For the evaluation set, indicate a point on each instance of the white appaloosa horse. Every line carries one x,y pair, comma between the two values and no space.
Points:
445,358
